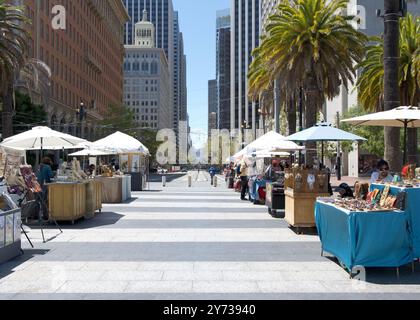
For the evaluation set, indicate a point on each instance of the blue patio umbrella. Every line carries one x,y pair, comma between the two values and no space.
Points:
324,131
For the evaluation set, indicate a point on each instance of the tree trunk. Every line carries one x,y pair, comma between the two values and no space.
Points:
277,104
412,142
391,83
291,116
7,113
312,106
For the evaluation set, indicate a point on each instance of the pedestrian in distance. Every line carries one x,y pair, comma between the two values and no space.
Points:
212,172
242,170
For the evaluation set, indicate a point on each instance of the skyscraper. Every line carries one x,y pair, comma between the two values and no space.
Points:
212,106
223,68
245,32
161,14
146,79
183,110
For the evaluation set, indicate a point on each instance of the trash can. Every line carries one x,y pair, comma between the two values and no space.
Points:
275,200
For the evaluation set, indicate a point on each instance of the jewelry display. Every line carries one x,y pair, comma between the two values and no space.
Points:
311,181
298,181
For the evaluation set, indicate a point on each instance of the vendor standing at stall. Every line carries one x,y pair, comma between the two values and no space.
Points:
44,176
382,174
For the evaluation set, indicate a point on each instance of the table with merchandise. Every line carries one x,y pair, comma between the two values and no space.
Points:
411,195
369,233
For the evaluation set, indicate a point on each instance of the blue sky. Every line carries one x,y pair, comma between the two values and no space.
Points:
198,25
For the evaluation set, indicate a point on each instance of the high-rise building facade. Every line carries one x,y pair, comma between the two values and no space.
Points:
176,74
161,14
223,68
268,7
245,33
85,59
212,106
147,81
183,109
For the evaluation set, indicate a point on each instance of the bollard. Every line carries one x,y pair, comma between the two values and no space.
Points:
163,181
189,181
215,181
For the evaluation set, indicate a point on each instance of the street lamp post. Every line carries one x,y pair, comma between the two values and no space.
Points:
81,115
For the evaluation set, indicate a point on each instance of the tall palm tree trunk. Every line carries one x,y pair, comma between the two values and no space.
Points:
412,142
312,105
291,115
7,113
391,80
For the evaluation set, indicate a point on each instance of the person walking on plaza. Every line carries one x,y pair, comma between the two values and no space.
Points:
243,168
212,172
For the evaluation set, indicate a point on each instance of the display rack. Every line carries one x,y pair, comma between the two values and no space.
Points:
302,187
10,235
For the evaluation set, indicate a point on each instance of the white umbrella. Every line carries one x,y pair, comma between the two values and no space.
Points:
272,141
120,143
90,153
40,138
402,117
269,154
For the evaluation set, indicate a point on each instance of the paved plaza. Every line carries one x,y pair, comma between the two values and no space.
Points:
189,243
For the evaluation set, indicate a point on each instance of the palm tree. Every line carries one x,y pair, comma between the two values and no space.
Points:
311,46
13,48
371,84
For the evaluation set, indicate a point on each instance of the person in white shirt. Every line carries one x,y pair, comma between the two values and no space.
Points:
382,174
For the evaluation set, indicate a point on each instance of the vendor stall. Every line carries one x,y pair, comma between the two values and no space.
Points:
115,189
73,195
364,238
132,157
302,187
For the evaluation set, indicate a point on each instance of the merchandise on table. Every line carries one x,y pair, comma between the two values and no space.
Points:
302,187
357,238
408,201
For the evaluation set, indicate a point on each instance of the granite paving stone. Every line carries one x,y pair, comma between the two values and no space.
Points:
180,243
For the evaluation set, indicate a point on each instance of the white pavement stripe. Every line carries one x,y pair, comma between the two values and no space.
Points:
196,216
176,197
198,205
178,235
189,277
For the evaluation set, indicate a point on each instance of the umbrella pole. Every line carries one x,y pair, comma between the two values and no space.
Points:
40,158
322,152
405,143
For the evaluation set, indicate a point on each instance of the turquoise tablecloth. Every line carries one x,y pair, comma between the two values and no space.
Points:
412,210
379,239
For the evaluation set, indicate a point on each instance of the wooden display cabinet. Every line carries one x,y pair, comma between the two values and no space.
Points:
301,196
67,201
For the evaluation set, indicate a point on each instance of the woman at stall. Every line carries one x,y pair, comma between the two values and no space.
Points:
45,174
381,174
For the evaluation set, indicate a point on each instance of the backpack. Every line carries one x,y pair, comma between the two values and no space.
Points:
238,169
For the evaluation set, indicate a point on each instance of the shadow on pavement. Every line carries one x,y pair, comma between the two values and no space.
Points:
313,231
388,275
7,267
169,177
100,219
